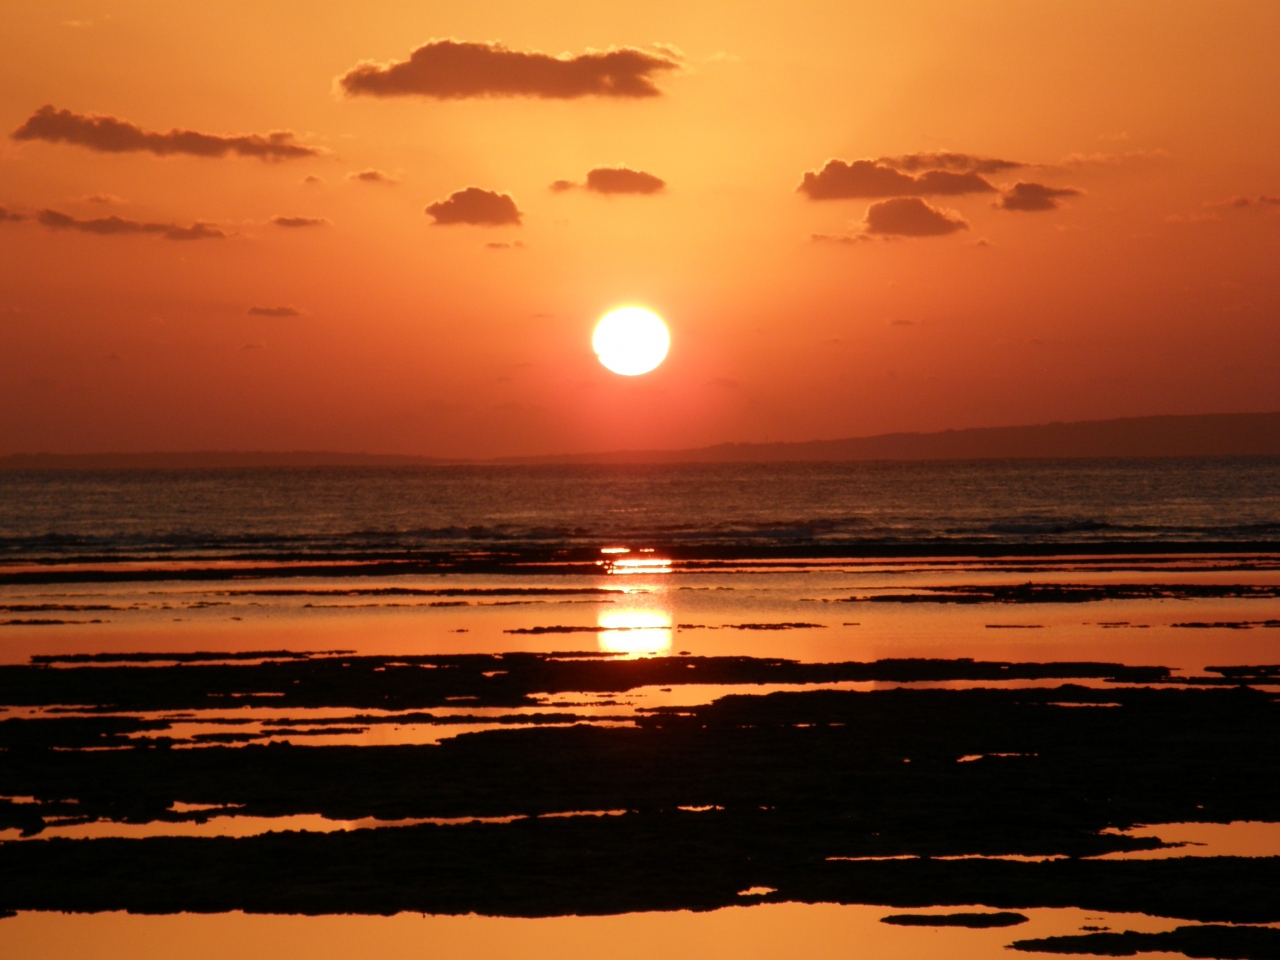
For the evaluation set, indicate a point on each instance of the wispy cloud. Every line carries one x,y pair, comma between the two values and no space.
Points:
842,239
119,226
107,134
946,160
295,222
371,176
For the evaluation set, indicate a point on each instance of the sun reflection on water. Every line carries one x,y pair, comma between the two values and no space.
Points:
635,631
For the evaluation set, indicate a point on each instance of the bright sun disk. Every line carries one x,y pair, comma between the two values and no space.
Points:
631,340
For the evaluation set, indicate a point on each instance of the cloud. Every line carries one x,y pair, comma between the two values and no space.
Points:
475,206
312,178
911,217
874,178
107,134
197,231
454,70
1034,197
371,176
9,215
610,180
274,312
295,222
103,198
956,162
622,180
116,226
839,238
503,245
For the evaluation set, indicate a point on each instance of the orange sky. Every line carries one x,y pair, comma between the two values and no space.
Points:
1152,288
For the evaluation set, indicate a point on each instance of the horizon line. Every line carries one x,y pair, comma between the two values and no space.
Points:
1256,434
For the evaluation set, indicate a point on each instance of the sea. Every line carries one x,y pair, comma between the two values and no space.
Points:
709,510
689,710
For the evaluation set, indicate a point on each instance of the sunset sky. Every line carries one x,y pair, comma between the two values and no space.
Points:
391,227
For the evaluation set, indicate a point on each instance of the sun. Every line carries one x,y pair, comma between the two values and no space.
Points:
631,340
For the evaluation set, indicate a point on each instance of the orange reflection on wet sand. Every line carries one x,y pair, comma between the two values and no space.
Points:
762,932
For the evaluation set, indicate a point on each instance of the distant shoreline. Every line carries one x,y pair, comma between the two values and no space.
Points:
1204,435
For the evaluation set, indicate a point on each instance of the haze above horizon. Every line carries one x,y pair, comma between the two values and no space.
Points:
1210,435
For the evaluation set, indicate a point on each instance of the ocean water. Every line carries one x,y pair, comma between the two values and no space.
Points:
846,509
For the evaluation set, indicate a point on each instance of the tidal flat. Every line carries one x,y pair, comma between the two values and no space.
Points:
558,750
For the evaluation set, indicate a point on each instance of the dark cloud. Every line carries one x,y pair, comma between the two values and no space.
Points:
274,312
873,178
622,180
103,198
560,186
475,206
312,178
9,215
453,70
112,135
911,217
503,245
371,176
1034,197
117,226
299,221
955,162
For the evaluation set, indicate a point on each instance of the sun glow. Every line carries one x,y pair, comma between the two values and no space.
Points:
631,340
636,632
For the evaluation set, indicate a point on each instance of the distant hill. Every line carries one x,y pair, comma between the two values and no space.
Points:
1207,435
